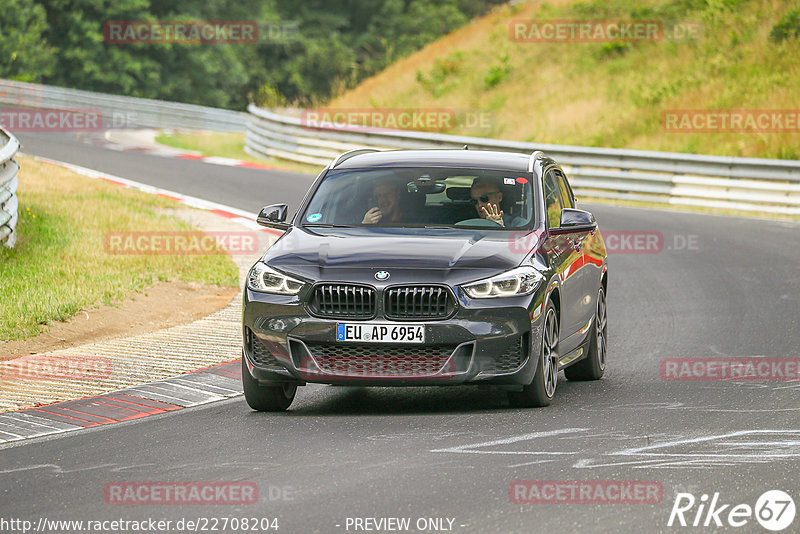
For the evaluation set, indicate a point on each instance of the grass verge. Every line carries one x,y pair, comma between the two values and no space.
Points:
59,265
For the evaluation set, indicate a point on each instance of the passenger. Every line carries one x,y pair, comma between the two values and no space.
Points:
387,197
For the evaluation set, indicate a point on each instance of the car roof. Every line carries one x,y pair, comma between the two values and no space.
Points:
472,159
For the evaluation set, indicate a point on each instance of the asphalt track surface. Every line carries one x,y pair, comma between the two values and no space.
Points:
721,287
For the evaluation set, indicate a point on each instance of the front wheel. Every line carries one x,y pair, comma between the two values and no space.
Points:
266,398
540,391
594,365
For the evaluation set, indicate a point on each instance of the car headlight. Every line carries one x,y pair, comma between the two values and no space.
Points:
519,281
267,280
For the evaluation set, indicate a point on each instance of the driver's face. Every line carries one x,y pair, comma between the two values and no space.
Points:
387,196
483,195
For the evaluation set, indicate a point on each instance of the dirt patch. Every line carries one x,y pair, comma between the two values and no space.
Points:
163,305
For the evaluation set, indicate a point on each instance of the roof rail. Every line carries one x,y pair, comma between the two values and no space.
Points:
535,154
349,154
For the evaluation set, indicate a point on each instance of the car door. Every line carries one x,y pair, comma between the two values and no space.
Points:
582,276
565,259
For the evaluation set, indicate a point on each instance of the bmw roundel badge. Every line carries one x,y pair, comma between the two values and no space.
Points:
382,275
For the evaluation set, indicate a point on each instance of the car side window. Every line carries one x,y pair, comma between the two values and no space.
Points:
552,202
566,195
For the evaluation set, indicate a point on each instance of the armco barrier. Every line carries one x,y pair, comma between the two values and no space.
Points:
713,181
8,188
122,111
764,185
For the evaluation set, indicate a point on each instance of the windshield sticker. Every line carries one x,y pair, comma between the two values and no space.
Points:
522,180
314,217
508,181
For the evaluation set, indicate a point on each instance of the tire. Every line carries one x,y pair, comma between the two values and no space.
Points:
540,391
594,365
266,398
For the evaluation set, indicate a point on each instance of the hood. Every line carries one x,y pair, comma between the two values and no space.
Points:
449,256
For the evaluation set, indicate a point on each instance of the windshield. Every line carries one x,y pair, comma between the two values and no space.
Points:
419,197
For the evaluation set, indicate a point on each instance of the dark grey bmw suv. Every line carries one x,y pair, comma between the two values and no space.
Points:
428,267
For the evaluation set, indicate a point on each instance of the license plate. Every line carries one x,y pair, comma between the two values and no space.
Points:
381,333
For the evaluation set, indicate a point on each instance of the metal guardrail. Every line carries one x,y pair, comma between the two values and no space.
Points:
123,111
713,181
750,184
8,188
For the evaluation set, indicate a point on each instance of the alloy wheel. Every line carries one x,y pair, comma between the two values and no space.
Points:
550,353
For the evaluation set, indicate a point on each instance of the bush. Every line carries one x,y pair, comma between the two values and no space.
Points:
612,50
436,79
786,28
497,73
268,97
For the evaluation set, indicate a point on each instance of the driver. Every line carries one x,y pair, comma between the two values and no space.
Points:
486,197
387,195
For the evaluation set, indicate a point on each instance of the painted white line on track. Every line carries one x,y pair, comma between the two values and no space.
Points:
535,462
470,449
702,452
707,451
678,443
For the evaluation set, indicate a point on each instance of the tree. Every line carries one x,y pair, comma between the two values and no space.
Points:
24,54
85,60
337,44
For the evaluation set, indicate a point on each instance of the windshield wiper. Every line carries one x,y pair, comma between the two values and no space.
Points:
326,225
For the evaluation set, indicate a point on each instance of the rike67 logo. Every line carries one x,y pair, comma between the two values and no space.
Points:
774,510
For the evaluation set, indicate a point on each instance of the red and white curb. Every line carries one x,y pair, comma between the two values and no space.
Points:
192,389
227,162
106,140
236,215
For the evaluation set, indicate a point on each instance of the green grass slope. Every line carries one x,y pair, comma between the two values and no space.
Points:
609,94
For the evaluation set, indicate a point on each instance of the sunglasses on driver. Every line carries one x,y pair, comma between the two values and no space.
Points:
483,199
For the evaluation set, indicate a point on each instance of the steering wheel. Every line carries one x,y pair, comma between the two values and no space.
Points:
478,222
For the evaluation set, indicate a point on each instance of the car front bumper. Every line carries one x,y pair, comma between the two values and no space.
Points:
488,341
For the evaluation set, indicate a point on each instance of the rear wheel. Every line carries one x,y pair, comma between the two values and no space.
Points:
541,390
266,398
593,366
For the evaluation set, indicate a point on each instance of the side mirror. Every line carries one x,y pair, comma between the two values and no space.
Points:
577,219
274,216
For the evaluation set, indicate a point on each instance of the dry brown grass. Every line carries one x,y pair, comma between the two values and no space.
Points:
583,94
